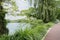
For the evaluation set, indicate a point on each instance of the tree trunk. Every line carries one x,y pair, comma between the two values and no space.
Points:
3,29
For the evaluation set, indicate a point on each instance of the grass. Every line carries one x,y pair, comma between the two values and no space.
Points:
37,32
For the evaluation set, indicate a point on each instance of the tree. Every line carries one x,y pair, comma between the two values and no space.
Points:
45,10
58,9
3,29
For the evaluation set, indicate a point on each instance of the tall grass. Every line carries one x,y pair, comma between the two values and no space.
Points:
35,33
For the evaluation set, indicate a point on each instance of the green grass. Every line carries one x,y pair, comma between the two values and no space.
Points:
37,32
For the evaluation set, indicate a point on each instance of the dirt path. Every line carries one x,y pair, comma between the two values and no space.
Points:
54,33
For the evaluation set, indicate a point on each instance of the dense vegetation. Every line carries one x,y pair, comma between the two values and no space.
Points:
37,32
41,16
46,10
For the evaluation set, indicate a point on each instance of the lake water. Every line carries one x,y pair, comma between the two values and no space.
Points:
13,27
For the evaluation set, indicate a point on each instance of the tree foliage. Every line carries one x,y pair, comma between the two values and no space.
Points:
45,10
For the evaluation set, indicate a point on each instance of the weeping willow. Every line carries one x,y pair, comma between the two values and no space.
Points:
3,29
45,9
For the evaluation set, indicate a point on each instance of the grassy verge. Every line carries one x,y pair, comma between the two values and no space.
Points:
37,32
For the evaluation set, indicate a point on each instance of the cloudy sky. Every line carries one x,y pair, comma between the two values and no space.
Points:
22,4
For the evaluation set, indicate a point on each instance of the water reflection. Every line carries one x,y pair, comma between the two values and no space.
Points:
13,27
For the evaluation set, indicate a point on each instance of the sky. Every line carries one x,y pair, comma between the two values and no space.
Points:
22,4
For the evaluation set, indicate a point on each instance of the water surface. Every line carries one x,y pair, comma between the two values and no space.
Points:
13,27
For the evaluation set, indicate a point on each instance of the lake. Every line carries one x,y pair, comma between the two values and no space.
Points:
13,27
